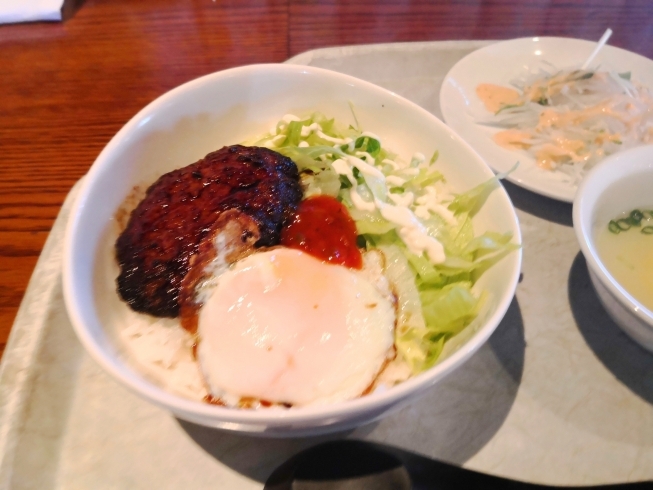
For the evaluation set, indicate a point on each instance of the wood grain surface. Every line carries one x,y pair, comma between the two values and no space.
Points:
67,88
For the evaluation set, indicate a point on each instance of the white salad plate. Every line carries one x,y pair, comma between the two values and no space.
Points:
506,61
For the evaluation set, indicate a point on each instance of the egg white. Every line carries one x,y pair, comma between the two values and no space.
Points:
285,327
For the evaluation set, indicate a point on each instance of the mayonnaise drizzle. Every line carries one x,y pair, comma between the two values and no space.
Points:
316,128
369,134
288,118
280,138
341,168
359,202
369,158
395,180
410,171
429,202
409,228
392,163
405,199
365,168
418,158
411,231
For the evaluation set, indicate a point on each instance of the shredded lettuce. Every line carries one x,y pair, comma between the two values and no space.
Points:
435,301
472,201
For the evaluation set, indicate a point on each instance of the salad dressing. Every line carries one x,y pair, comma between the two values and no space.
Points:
550,118
495,97
512,139
570,120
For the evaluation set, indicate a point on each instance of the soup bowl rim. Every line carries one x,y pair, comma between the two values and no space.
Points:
593,188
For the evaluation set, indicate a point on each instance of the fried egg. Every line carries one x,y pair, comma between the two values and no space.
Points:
283,327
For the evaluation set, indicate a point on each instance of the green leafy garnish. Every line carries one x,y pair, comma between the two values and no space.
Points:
435,301
633,220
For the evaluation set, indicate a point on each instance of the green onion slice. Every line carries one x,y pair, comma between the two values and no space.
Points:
636,217
623,224
614,227
633,219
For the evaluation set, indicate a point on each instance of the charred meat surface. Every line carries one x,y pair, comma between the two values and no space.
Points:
179,210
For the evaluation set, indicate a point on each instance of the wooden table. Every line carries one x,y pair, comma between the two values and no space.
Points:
67,88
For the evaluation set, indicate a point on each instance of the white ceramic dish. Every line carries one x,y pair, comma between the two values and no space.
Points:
225,108
505,61
620,183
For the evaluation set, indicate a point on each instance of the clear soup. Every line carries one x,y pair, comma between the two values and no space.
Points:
628,256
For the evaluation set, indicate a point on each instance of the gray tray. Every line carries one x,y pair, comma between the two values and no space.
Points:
558,394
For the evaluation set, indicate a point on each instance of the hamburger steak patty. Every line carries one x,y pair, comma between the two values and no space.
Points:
179,209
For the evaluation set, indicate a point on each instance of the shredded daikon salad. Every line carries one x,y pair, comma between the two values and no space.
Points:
406,210
569,120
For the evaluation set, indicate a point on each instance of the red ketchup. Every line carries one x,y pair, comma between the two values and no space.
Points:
323,228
